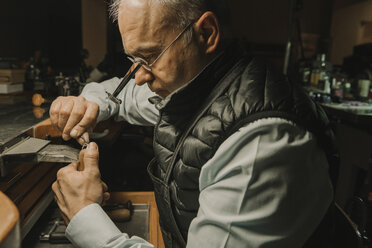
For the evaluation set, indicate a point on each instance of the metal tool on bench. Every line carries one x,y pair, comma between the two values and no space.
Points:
56,233
53,236
28,149
24,148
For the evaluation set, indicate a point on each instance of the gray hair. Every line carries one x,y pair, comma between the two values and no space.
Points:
183,12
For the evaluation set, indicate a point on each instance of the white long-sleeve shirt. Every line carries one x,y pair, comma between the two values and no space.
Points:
266,186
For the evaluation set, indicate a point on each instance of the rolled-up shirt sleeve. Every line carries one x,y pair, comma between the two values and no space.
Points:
135,107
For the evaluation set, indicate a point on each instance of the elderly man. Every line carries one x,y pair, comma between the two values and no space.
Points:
240,152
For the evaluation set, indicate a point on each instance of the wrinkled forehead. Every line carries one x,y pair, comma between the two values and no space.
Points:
142,21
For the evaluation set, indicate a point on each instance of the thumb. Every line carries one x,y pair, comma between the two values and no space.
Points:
91,157
81,160
74,166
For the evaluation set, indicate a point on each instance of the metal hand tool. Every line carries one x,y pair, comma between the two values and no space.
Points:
25,149
119,212
38,150
126,79
33,150
45,236
53,236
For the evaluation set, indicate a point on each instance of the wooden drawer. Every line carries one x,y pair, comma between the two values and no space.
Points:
155,236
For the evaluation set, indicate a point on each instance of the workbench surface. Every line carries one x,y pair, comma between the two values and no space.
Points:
16,119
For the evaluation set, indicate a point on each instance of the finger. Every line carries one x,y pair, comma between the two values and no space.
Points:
81,161
88,121
64,114
83,138
76,115
91,157
53,112
57,194
86,136
60,201
55,187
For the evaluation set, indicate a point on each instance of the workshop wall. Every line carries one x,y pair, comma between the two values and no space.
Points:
266,21
257,22
351,26
344,3
94,30
263,25
63,28
49,25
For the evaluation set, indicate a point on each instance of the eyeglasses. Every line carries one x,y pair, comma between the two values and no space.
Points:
140,63
146,65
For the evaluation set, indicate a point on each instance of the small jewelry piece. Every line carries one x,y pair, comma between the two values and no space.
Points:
85,145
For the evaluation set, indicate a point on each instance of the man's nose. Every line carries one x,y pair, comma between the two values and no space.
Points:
143,76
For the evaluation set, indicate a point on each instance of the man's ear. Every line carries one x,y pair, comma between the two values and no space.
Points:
208,30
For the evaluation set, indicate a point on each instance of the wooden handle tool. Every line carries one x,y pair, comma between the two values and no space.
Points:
119,212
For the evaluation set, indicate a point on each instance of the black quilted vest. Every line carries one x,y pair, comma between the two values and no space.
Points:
232,91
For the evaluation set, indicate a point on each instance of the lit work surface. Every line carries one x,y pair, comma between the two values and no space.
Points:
15,119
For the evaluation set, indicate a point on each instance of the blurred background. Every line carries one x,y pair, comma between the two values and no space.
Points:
51,48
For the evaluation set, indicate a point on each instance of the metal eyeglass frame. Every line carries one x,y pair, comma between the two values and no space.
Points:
141,63
148,66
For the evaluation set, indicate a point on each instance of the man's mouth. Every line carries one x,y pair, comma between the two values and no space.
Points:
160,92
152,89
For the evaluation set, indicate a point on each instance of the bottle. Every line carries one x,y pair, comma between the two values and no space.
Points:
305,72
370,95
324,83
363,86
337,92
347,91
315,72
30,75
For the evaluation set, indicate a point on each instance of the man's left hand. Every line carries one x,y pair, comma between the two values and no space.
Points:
76,189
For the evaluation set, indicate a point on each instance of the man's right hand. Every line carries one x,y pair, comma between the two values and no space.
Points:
73,115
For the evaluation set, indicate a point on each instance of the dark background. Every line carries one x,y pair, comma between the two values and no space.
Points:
52,26
55,27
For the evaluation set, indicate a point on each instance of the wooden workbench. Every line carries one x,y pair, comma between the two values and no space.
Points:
28,188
